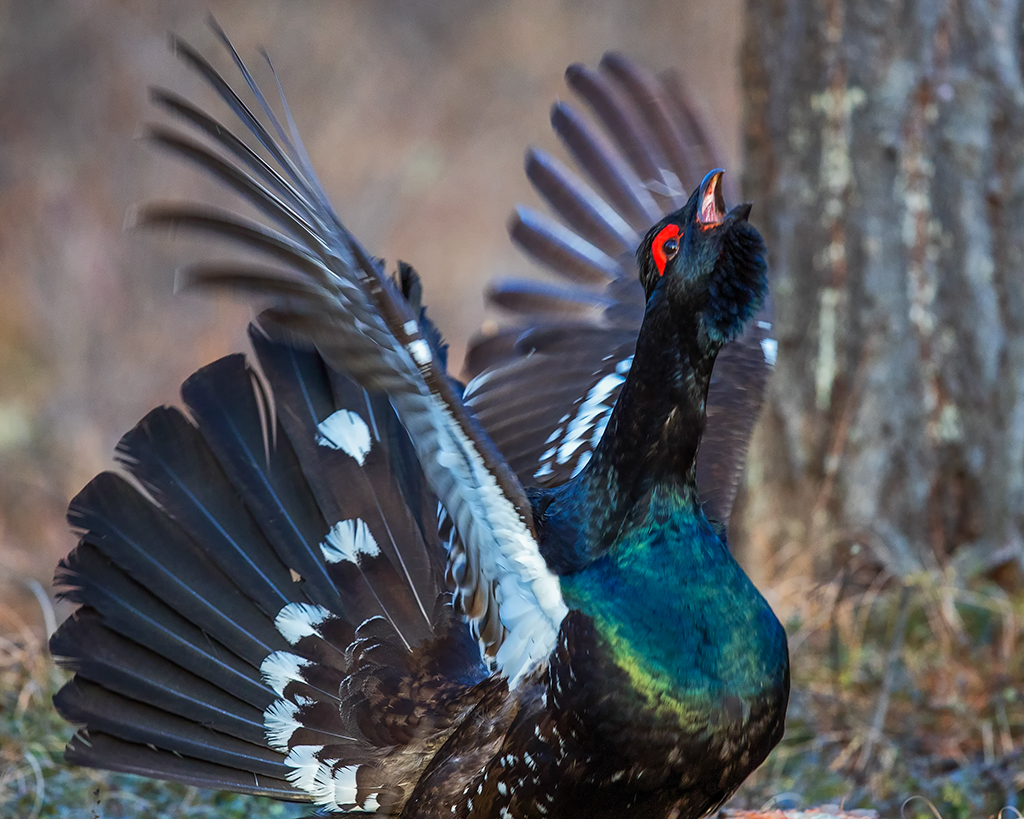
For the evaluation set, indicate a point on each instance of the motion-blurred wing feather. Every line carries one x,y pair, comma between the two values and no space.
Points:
544,385
337,297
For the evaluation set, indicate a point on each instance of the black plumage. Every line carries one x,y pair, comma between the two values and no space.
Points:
344,577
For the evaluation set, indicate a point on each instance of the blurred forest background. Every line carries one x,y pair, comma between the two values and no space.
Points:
881,144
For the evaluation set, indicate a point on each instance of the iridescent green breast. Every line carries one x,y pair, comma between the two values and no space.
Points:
680,617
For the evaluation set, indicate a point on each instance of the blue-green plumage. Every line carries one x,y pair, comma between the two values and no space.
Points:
678,613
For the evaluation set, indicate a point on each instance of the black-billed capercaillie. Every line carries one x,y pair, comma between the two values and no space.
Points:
342,577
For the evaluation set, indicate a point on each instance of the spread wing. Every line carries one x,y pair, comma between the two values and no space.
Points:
543,385
326,290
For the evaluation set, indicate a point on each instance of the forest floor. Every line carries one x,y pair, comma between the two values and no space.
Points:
907,702
906,699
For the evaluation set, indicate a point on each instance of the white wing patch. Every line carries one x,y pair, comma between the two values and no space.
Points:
586,426
509,560
298,620
420,352
769,346
347,431
347,540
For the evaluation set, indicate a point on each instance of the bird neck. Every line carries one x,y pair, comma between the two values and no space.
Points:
651,440
658,420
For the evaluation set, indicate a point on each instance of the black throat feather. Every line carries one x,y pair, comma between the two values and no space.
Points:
652,436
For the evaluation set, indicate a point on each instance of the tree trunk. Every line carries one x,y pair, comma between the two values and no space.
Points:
885,158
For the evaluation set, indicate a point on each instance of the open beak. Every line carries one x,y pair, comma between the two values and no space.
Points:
711,210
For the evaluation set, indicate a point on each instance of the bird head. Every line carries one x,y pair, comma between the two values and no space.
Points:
709,261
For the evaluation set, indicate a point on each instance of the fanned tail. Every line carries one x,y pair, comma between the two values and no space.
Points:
263,608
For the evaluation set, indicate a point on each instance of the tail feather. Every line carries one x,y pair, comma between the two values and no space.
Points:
122,524
197,655
133,721
232,413
124,667
349,473
100,750
404,466
131,610
170,458
320,640
372,584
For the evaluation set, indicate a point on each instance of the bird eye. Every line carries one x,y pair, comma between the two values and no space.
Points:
665,246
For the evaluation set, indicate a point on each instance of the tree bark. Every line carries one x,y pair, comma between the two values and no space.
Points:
885,157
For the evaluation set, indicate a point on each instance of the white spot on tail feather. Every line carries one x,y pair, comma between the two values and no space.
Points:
335,789
281,668
279,723
347,540
347,431
331,787
304,765
298,620
770,348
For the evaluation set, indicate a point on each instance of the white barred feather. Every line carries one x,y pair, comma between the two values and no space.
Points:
279,723
584,428
298,620
510,560
347,540
281,668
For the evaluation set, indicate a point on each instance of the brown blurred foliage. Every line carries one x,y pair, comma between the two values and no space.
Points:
415,114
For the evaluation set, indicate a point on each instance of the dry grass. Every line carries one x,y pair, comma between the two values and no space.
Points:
906,700
900,691
36,783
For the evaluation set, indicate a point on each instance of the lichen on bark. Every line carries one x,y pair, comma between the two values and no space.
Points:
884,156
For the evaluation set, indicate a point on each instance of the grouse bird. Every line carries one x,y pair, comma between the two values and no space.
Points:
345,579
